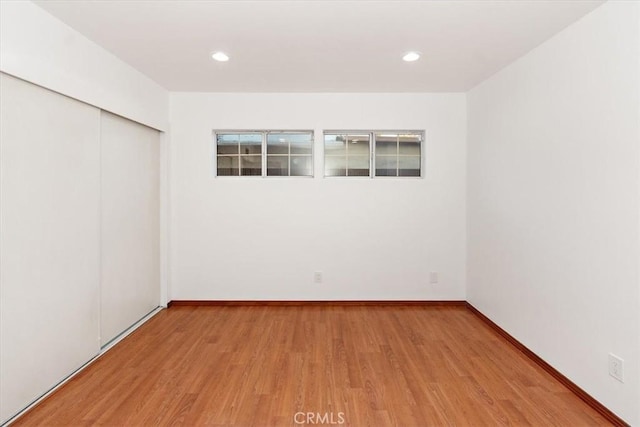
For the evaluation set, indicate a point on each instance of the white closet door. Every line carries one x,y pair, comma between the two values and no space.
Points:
130,277
49,240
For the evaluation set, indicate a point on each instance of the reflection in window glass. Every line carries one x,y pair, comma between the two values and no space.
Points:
277,144
386,165
408,166
228,165
347,154
277,165
335,165
335,145
357,165
394,153
284,153
398,154
239,154
289,154
386,144
301,166
228,144
251,165
250,143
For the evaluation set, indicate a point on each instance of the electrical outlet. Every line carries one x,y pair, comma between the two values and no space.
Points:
317,277
616,367
433,277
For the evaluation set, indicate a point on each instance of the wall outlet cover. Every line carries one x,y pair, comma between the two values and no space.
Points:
433,277
616,367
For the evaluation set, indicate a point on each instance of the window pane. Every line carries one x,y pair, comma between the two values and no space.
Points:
386,143
227,144
358,166
278,165
227,138
386,165
409,166
301,143
358,145
301,166
251,165
335,166
250,143
410,145
277,143
334,145
228,166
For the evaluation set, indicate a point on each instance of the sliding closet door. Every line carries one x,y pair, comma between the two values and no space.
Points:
49,231
130,285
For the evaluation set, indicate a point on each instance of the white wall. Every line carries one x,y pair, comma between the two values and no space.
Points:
553,210
39,48
262,238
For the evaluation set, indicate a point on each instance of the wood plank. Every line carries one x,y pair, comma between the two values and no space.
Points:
260,365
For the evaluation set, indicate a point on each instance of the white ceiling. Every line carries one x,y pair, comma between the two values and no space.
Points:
318,46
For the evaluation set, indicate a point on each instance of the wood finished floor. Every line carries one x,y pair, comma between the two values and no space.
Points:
259,366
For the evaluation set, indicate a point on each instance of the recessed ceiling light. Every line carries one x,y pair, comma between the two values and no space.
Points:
411,56
220,56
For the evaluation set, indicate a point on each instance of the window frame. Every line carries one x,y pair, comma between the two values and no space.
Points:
372,152
264,133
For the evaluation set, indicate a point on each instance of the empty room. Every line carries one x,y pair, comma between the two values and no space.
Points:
297,213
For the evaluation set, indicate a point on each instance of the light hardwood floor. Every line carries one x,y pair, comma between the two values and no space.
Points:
367,366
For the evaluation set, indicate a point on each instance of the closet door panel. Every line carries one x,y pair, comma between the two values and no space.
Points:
130,272
49,240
